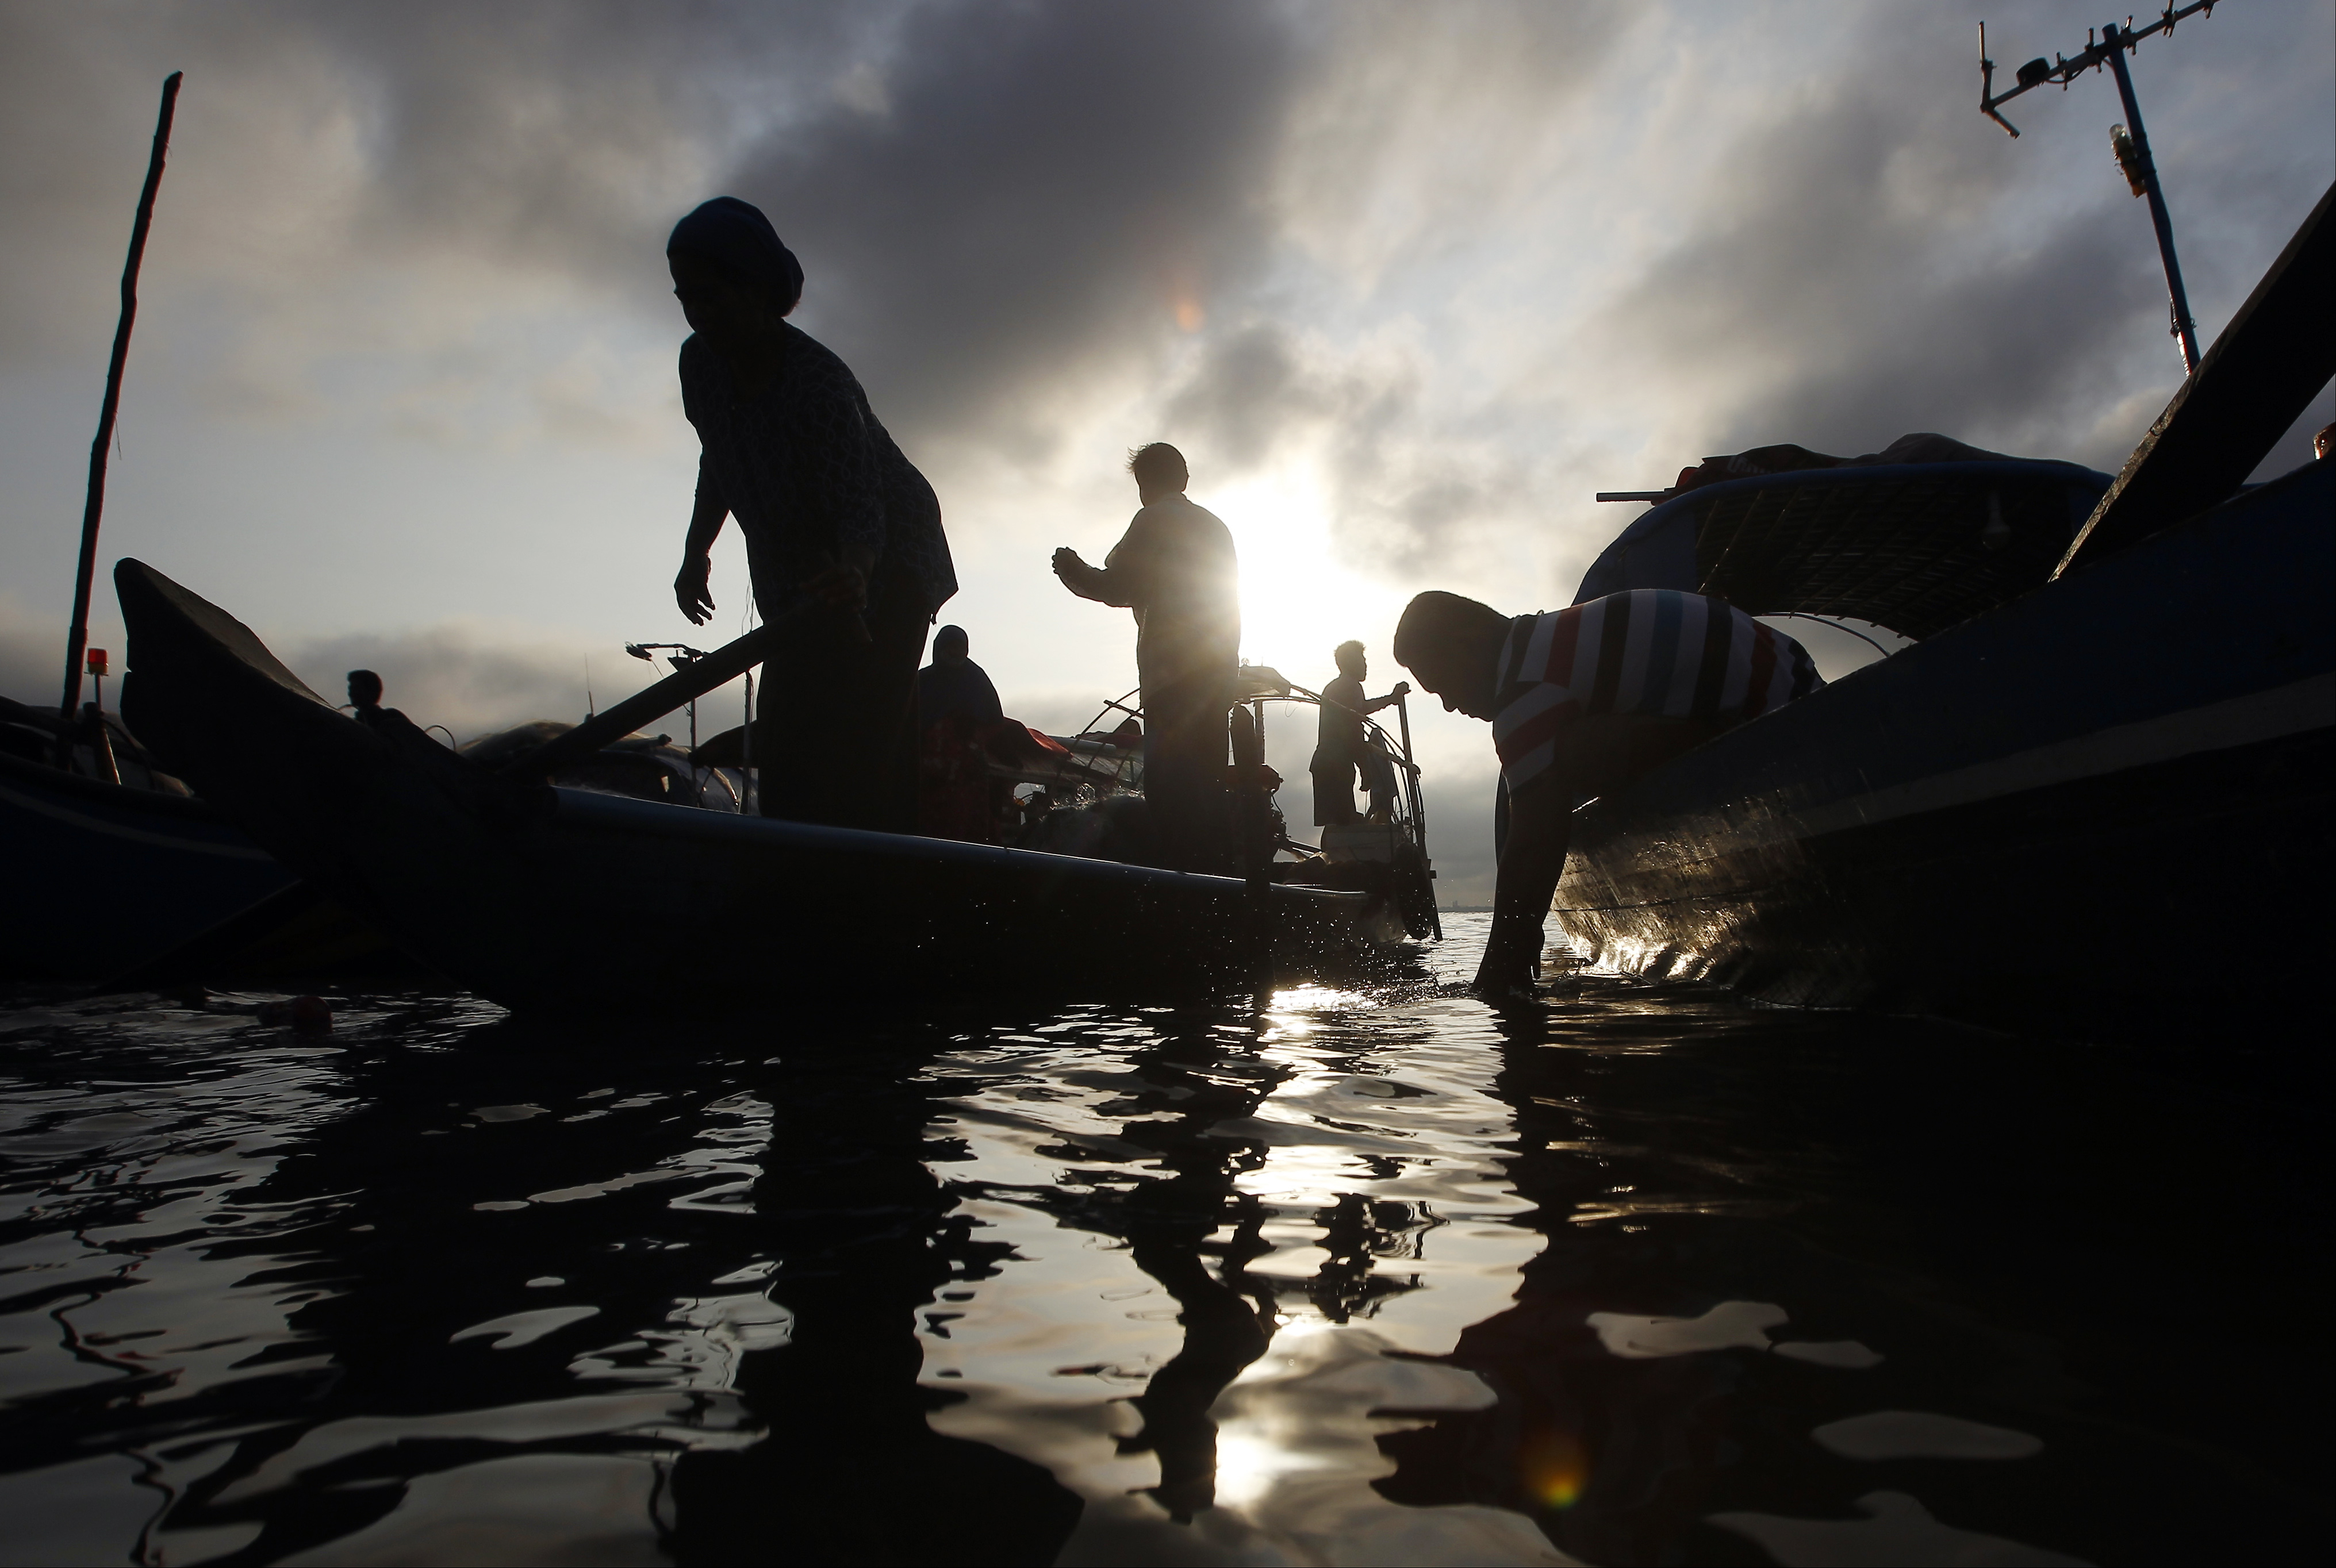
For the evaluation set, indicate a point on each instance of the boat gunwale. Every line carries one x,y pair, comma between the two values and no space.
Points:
43,775
667,819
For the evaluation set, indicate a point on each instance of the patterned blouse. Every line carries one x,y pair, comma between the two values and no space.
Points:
1652,651
806,469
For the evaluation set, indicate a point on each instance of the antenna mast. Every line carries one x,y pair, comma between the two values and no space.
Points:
2129,141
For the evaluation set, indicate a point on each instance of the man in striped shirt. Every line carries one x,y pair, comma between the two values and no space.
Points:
1581,700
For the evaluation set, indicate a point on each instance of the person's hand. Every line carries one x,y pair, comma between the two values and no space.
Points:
1065,559
693,589
1402,689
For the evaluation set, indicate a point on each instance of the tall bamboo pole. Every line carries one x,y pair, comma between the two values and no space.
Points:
77,639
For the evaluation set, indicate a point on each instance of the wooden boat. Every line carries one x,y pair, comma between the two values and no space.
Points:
105,875
563,900
2102,803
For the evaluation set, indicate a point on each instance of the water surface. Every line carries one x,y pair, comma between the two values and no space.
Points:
1371,1275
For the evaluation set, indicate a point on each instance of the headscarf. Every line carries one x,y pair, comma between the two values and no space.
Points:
735,236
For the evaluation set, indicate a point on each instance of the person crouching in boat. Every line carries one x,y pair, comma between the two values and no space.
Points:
838,526
1582,701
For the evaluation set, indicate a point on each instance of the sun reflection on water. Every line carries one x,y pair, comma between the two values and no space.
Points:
1311,998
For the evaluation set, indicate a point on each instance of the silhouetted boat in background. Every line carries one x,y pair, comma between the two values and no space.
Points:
2096,794
108,872
563,900
120,868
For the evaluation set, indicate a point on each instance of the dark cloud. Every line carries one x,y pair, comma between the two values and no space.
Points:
1040,186
471,679
989,198
32,661
317,141
1405,478
570,136
1003,208
1832,296
471,682
1862,268
1248,393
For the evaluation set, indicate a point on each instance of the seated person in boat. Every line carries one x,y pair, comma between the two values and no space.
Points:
953,686
1341,747
1176,568
365,700
844,536
1582,701
957,706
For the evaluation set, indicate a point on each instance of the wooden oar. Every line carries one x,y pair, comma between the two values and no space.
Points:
684,685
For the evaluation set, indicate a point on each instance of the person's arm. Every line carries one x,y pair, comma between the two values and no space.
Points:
1402,690
1541,819
1121,579
693,585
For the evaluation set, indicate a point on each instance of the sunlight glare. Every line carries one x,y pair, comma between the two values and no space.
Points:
1298,599
1249,1467
1312,998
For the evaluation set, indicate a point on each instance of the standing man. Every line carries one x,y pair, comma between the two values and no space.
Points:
1176,568
1582,701
842,533
1340,746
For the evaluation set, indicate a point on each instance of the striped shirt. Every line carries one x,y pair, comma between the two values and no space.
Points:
1657,651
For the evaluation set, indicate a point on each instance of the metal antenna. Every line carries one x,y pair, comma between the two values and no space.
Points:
2129,141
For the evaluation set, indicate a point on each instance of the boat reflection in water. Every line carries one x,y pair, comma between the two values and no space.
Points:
1628,1275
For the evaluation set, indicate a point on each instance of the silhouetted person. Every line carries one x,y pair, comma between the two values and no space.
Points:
953,686
1582,701
1340,746
1176,568
1223,1333
833,516
958,717
365,700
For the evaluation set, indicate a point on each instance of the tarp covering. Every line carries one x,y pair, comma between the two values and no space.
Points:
1917,543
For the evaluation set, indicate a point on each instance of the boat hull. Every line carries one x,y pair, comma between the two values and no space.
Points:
2104,808
564,901
103,877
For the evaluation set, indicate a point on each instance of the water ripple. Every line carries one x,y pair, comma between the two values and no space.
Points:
1372,1274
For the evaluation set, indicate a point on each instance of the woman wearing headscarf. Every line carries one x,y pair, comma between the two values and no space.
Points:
838,525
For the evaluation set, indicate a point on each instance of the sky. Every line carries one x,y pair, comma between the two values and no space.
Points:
1407,284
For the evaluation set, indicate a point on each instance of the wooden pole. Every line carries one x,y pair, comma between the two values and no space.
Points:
686,684
2259,376
77,639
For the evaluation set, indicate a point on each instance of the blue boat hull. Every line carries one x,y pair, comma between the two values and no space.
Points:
104,878
2104,808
